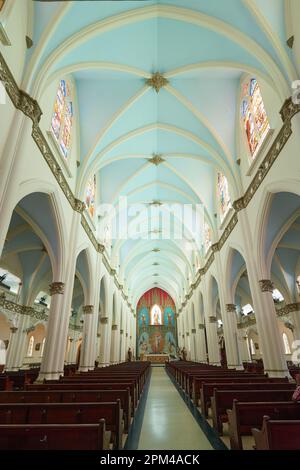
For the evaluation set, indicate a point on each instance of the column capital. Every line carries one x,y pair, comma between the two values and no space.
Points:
266,285
88,308
126,335
104,320
187,333
56,288
121,332
194,330
71,340
114,327
13,329
201,326
212,319
230,307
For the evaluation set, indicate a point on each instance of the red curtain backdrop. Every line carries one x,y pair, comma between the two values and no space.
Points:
156,296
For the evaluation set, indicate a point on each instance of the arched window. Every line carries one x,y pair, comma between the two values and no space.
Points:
207,237
252,347
90,195
223,195
287,349
1,4
43,347
254,116
30,347
62,118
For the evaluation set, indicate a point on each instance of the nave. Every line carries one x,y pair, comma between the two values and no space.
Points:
168,423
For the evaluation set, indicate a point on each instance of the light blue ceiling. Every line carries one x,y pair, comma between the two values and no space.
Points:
191,122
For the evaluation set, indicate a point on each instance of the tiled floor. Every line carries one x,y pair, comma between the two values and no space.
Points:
168,424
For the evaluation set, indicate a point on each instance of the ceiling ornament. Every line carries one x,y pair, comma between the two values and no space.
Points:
155,203
156,250
157,81
156,159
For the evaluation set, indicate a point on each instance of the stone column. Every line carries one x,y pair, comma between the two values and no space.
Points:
244,347
87,356
266,320
103,341
122,346
193,345
212,340
295,317
201,353
17,344
234,360
115,344
71,357
52,365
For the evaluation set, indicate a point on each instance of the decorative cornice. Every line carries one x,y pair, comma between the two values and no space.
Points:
157,81
230,308
156,159
88,309
266,285
56,288
289,308
212,319
289,109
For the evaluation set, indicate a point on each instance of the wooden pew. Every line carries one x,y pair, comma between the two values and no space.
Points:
207,390
54,437
72,396
245,416
5,383
88,386
66,413
198,381
277,435
222,400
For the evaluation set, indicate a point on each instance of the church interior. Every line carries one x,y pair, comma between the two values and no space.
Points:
150,225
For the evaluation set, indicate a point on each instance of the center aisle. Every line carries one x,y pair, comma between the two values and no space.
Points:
168,423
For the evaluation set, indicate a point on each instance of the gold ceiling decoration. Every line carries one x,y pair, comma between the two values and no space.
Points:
157,81
156,250
156,159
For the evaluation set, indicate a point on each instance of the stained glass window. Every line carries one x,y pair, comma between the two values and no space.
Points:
254,116
207,237
1,4
62,118
223,195
90,195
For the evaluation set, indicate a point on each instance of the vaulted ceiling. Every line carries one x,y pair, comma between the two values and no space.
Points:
203,48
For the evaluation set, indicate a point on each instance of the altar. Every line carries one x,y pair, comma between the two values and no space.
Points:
156,358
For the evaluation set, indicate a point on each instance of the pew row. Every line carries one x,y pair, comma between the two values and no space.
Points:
277,435
245,416
54,436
